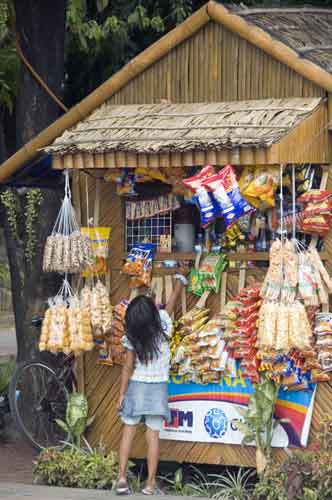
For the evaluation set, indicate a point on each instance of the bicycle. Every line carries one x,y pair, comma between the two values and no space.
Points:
38,395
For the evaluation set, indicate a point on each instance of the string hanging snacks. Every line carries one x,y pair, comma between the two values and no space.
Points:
114,352
66,326
283,322
67,250
95,300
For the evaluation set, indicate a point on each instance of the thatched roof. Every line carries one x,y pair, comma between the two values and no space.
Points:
158,128
306,30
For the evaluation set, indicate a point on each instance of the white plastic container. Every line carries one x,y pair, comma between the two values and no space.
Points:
184,236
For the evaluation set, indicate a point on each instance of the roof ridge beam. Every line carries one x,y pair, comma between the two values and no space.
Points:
277,10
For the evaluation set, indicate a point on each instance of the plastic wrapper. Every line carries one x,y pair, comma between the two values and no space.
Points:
66,327
263,185
137,258
227,193
315,196
246,177
317,224
207,207
208,276
105,355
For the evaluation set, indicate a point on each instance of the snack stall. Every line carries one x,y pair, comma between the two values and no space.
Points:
254,225
219,175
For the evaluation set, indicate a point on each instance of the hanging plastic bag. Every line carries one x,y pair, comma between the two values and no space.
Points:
226,192
263,185
67,250
207,208
99,237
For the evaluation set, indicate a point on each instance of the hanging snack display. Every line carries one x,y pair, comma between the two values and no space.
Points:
67,249
116,349
258,185
241,332
66,326
317,212
217,195
323,334
95,299
138,265
143,209
99,238
198,348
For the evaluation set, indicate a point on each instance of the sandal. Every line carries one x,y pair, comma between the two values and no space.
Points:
122,487
149,491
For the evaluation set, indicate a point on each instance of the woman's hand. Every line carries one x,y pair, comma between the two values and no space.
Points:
120,403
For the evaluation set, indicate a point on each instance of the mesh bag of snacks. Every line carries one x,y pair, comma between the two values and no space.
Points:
67,250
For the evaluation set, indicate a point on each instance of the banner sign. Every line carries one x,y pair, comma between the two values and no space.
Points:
208,413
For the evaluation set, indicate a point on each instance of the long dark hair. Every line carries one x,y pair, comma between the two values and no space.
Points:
143,328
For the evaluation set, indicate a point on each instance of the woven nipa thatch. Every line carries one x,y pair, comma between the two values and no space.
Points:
158,128
305,30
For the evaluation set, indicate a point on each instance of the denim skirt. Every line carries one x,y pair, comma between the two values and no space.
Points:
146,398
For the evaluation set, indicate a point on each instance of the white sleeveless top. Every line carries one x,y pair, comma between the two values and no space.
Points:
157,370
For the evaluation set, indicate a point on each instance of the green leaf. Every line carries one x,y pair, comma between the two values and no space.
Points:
158,24
62,425
101,5
249,438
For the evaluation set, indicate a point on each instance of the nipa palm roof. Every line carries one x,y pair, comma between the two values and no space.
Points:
168,128
308,31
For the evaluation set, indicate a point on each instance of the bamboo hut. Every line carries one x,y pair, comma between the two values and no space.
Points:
248,87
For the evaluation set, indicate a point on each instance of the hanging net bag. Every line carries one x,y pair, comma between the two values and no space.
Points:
67,250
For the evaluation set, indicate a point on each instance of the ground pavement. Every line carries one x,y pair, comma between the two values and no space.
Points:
12,491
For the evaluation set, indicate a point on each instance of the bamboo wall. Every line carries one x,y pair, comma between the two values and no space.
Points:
215,65
101,384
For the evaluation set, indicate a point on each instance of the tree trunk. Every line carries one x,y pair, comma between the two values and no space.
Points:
40,26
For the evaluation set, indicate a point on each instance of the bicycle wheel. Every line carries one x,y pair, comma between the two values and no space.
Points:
37,397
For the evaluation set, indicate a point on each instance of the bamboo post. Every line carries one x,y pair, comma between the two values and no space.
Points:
242,277
223,290
80,360
168,287
96,211
159,290
183,301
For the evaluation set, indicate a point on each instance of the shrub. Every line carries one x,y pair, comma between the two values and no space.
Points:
305,475
76,468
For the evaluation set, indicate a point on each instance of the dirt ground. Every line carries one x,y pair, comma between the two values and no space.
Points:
16,457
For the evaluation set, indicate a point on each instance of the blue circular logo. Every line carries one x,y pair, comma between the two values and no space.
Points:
215,423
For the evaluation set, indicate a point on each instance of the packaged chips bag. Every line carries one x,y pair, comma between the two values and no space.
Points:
202,198
226,192
263,185
208,276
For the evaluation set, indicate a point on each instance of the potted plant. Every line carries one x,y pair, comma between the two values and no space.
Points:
258,423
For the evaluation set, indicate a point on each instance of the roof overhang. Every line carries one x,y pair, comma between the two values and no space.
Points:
259,132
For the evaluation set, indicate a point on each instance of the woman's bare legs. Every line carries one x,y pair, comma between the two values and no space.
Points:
128,435
152,439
